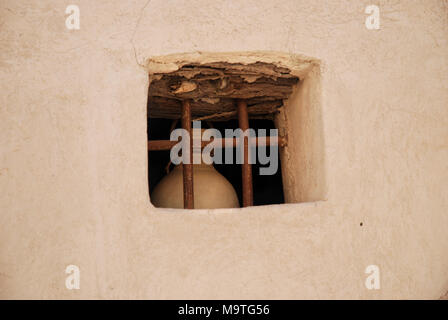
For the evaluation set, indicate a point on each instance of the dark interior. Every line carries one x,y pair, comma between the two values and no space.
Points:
267,189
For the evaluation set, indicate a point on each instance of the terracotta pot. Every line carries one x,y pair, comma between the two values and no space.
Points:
211,189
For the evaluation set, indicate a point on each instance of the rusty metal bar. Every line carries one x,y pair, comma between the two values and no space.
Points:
163,145
246,168
188,167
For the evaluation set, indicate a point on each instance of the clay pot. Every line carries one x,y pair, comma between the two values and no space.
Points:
211,189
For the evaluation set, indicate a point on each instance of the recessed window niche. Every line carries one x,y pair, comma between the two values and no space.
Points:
277,96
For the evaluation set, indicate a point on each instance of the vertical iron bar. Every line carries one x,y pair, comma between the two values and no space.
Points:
246,169
188,168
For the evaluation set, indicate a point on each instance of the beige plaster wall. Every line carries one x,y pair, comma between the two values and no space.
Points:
303,158
73,160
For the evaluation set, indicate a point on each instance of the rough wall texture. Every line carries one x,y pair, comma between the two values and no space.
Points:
73,161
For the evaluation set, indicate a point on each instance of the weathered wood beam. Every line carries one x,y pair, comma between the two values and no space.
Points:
226,87
166,108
